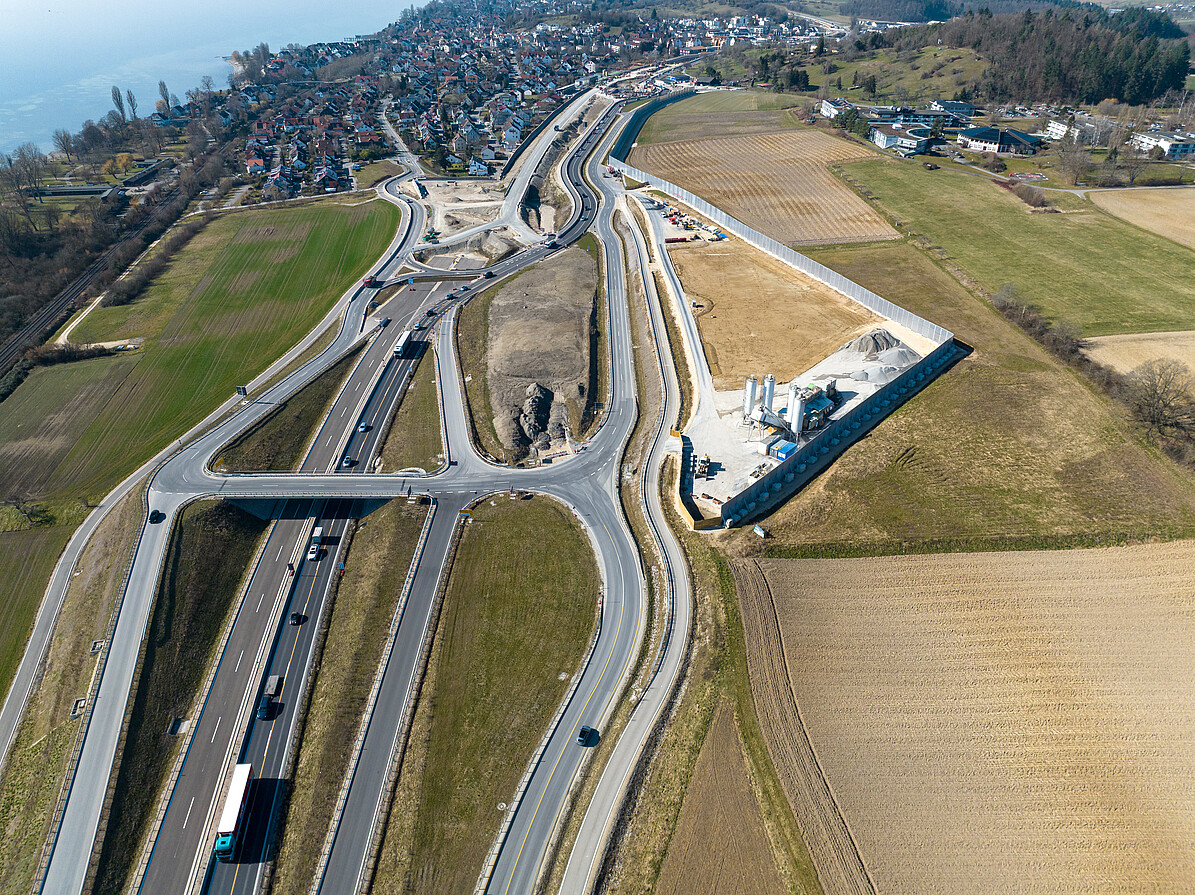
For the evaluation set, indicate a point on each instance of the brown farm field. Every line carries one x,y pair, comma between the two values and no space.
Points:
996,722
1124,353
720,844
778,183
1167,212
759,314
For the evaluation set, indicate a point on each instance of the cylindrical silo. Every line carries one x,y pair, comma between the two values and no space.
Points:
769,391
796,412
749,388
794,390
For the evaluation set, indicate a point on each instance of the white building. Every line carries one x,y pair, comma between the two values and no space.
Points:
902,139
832,108
1174,146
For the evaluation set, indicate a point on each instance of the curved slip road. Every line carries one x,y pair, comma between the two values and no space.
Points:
587,481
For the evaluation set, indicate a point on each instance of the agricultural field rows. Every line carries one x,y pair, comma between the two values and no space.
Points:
1167,212
1013,722
777,183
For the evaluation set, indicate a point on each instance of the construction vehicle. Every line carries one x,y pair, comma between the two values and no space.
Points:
703,465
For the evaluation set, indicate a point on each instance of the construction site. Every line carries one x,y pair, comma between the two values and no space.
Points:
754,435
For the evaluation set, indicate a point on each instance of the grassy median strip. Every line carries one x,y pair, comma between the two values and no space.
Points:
414,438
517,618
33,775
472,339
375,570
210,550
278,442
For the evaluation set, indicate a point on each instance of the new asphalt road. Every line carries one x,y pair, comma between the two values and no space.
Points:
587,481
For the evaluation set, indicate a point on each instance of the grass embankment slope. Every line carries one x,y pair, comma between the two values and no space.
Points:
414,439
1081,266
278,442
516,621
1008,449
33,773
359,623
237,296
211,548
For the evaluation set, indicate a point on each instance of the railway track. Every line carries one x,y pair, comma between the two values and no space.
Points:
49,314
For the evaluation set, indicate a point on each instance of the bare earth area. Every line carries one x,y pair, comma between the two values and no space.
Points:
761,316
538,356
1127,352
983,723
458,204
720,845
1168,212
777,183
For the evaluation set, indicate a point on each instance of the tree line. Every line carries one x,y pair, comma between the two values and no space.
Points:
1070,56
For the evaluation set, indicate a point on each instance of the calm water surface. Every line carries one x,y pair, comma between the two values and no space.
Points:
60,58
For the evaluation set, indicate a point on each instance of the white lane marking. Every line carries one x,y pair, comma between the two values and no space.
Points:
217,727
188,817
279,556
241,656
258,609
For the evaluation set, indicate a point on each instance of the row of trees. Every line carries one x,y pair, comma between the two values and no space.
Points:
1160,394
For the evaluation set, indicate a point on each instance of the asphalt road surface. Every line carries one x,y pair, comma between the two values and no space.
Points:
330,492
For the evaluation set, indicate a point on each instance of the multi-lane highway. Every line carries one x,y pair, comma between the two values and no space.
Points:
328,492
284,582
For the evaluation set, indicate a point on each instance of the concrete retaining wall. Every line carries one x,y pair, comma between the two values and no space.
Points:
936,334
800,468
626,139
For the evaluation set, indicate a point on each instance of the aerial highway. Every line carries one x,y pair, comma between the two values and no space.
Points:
328,493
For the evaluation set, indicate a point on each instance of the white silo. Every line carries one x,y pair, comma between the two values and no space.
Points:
769,391
794,396
749,388
796,410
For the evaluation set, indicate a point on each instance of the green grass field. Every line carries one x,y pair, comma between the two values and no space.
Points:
234,299
27,559
375,569
375,172
516,619
1008,449
734,111
1082,266
930,73
414,438
278,441
210,550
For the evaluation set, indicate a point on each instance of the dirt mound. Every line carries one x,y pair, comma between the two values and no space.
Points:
873,342
538,358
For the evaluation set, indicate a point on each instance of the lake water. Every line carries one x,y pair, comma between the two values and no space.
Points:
60,58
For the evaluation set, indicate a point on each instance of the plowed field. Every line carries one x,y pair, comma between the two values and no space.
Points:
983,723
1169,213
720,844
777,183
1124,353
